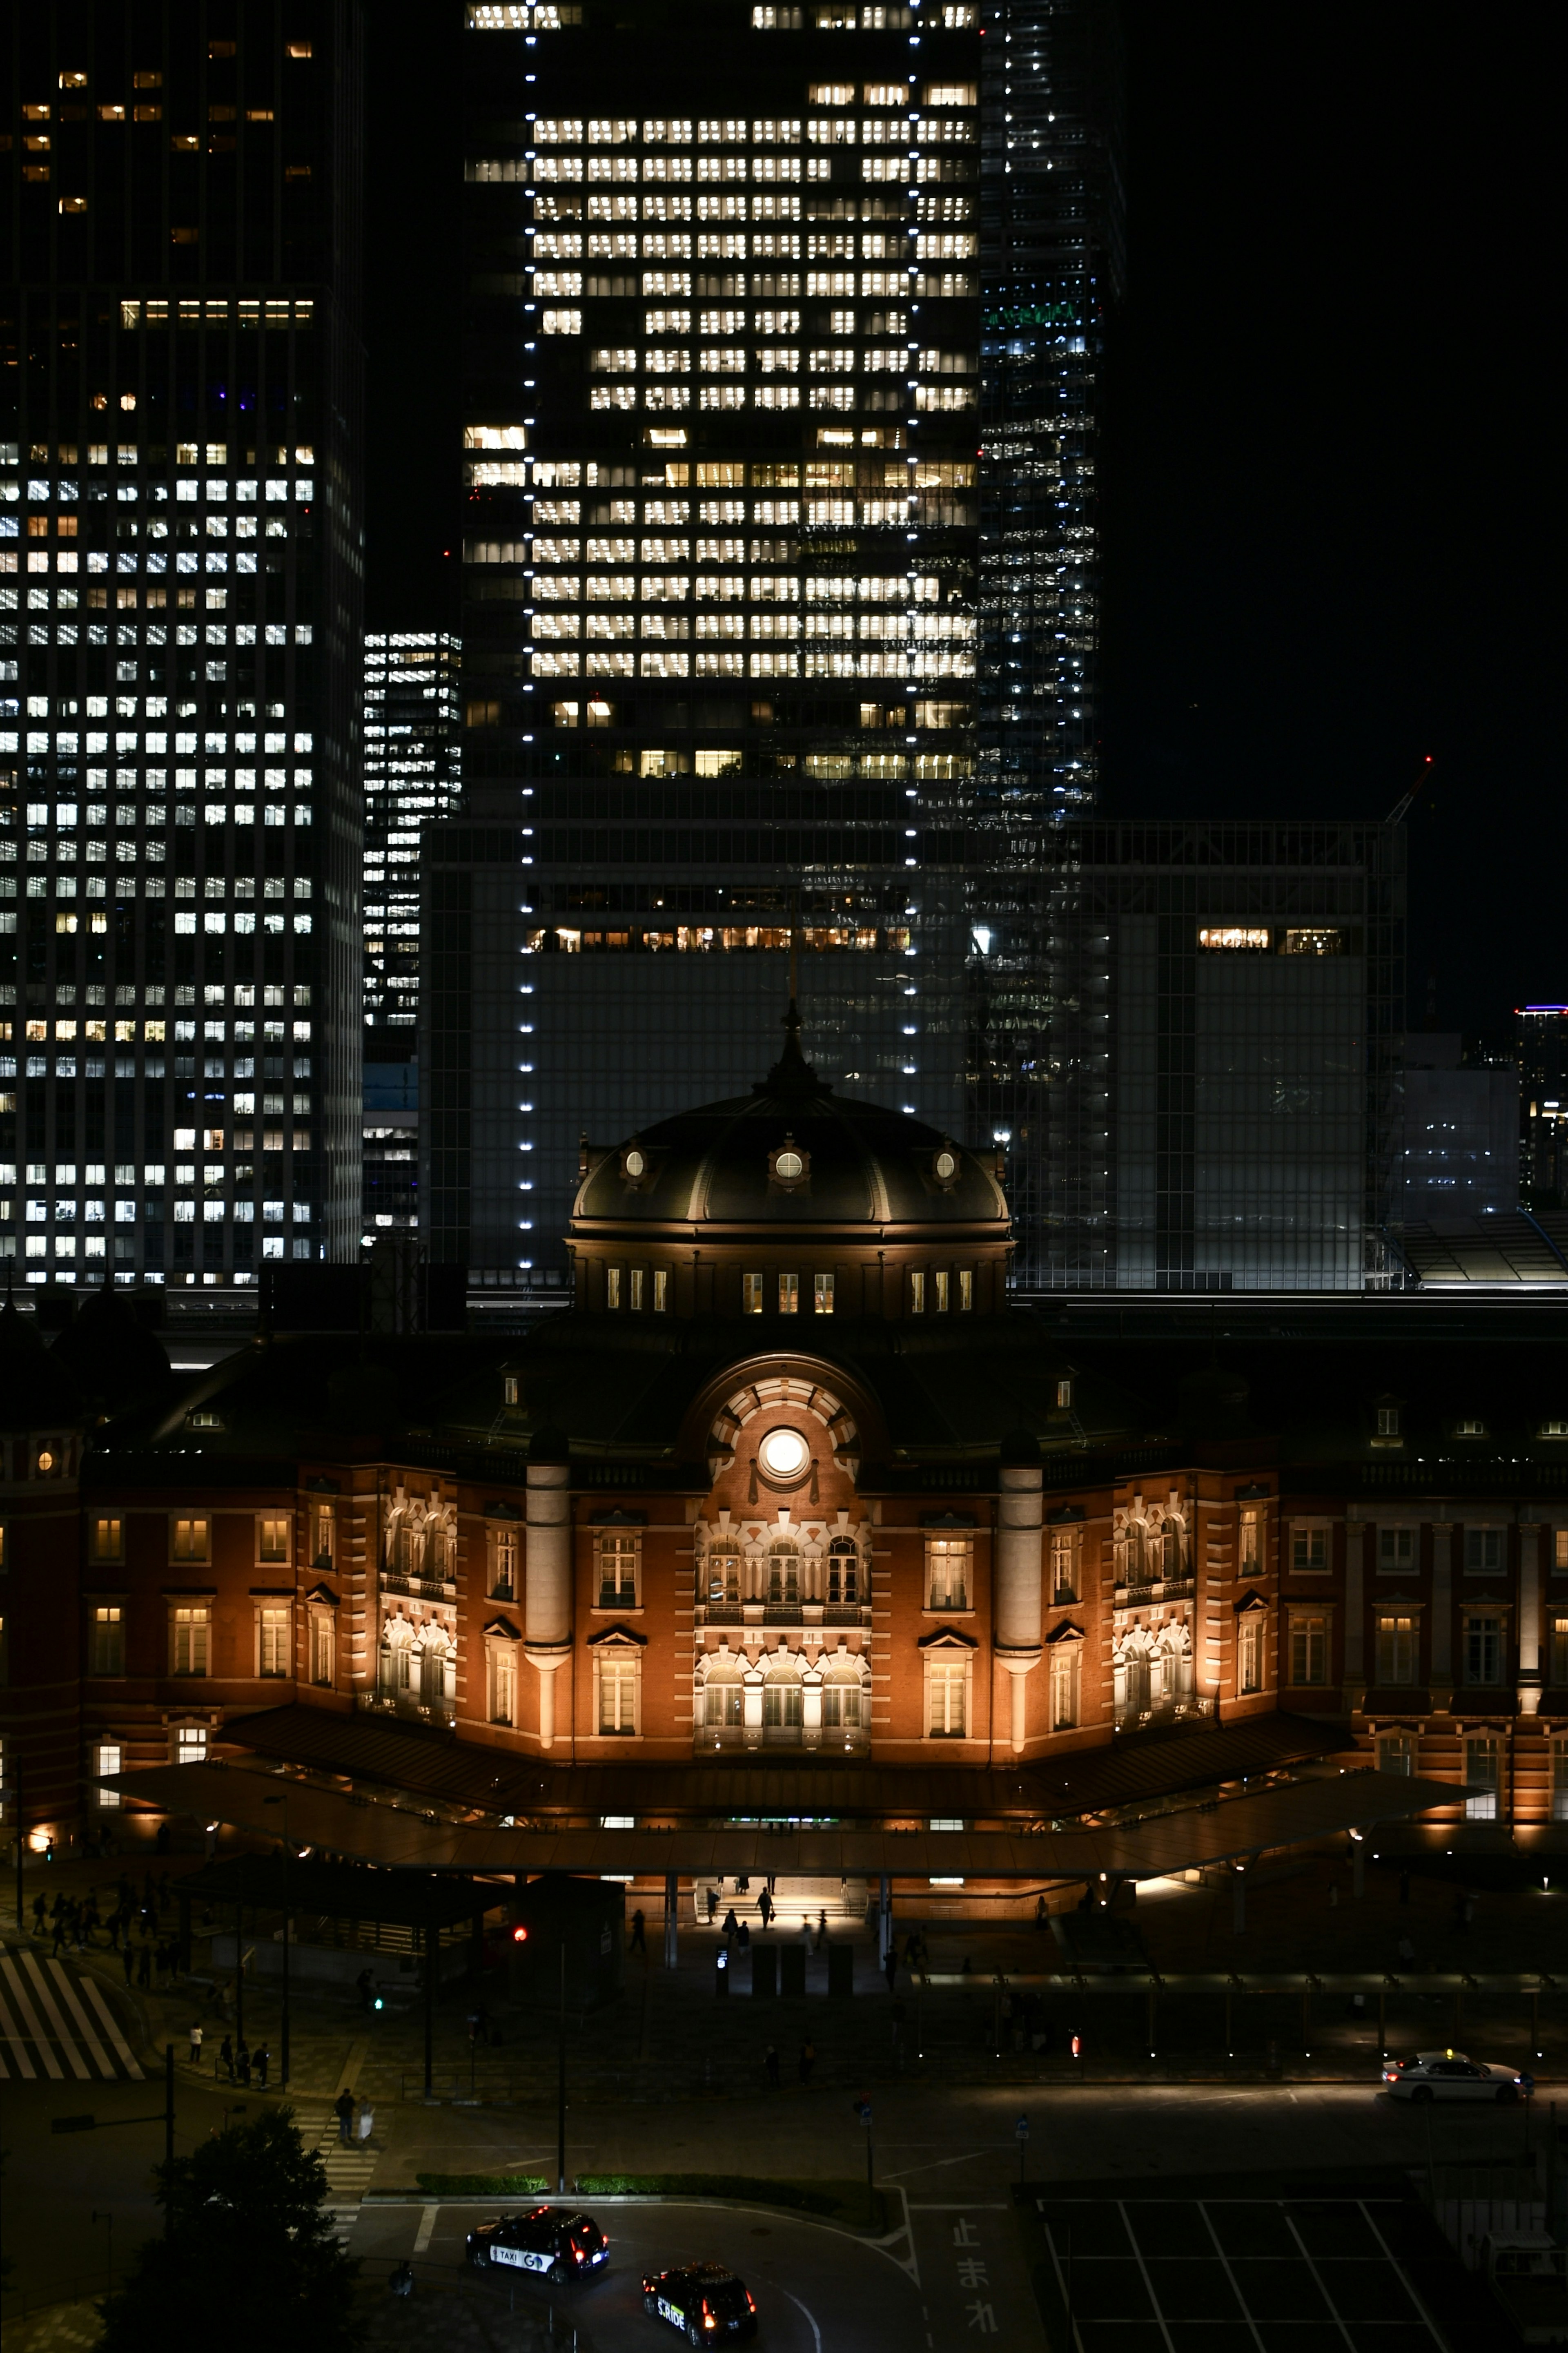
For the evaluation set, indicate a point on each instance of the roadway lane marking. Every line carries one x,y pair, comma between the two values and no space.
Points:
426,2226
962,2206
78,2064
30,2026
94,1993
19,2048
815,2332
67,1995
937,2163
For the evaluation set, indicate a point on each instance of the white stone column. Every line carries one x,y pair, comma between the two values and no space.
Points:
1529,1674
1443,1536
547,1572
1016,1599
1355,1614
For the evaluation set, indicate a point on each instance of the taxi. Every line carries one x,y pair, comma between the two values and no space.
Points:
705,2302
1453,2075
549,2240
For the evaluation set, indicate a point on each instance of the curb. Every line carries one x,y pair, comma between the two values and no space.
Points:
637,2197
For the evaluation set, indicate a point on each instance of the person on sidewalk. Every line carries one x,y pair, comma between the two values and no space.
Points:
343,2109
226,2057
712,1905
765,1909
57,1934
731,1927
639,1938
40,1914
261,2059
362,1988
743,1936
195,2042
771,2064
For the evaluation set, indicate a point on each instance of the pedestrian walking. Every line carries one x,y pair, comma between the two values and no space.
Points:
743,1936
807,2059
343,2109
226,2057
639,1940
1041,1911
261,2059
773,1883
712,1905
765,1908
196,2039
362,1987
822,1928
771,2064
731,1926
40,1914
57,1934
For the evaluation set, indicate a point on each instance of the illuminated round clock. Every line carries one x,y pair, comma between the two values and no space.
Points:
784,1454
635,1163
946,1166
788,1165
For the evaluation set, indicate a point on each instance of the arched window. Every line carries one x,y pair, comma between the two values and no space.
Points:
1133,1671
1170,1549
724,1710
396,1664
843,1700
724,1574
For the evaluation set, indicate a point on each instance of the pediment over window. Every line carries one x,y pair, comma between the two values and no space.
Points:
617,1637
947,1637
501,1630
1065,1632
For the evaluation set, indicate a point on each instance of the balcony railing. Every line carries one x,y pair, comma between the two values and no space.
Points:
1166,1588
404,1580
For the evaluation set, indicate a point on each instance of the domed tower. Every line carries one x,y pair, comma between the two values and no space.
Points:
792,1200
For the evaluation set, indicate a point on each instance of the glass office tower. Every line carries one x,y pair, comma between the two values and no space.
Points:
1543,1105
722,587
180,642
412,778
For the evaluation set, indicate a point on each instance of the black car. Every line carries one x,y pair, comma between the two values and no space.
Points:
561,2245
706,2301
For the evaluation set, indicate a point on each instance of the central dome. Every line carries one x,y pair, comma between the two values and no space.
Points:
790,1199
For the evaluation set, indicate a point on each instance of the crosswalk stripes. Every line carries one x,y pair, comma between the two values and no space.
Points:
76,2042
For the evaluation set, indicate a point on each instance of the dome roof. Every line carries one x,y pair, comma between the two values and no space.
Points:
109,1356
35,1393
792,1153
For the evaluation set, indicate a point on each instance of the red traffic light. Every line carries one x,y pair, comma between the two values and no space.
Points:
520,1934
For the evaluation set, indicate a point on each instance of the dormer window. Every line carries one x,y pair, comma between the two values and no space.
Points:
1064,1396
509,1388
1388,1421
788,1165
1557,1427
1469,1429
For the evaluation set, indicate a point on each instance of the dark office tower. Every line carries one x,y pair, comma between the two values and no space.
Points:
1543,1106
180,639
1227,1023
412,779
1052,267
719,579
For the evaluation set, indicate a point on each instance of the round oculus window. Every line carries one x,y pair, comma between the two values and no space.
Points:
789,1165
785,1453
946,1166
634,1164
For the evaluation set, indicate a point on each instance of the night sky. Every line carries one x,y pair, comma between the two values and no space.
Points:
1331,466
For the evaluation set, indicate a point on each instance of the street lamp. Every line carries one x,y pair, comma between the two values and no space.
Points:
282,1799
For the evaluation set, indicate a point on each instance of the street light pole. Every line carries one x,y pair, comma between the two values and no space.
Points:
282,1801
560,2082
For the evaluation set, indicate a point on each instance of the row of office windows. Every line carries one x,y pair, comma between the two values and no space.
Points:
190,1646
1399,1752
1399,1548
1481,1653
190,1537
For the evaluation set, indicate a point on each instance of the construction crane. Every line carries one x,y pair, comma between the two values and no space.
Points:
1402,807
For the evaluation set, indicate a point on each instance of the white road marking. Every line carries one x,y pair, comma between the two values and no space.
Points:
816,2333
19,2048
426,2226
78,2064
30,2026
937,2163
67,1995
94,1993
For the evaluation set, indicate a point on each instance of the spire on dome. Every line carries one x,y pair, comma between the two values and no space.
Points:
792,1074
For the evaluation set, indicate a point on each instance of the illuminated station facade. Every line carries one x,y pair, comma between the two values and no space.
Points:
792,1512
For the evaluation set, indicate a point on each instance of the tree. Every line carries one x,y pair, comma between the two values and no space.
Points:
250,2255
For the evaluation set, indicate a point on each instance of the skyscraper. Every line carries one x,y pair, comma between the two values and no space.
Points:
179,626
412,778
1543,1105
722,581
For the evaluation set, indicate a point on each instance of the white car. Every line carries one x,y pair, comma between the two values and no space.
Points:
1452,2076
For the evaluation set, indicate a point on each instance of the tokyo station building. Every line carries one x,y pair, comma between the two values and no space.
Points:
796,1515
